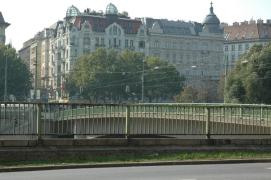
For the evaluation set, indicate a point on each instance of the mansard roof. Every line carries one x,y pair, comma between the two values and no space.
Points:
175,27
100,23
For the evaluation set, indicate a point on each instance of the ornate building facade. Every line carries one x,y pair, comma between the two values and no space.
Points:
196,49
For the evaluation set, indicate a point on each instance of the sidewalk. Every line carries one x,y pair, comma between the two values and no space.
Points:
131,164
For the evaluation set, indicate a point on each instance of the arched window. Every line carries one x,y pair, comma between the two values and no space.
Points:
86,40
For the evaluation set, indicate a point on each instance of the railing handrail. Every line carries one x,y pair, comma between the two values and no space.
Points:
145,104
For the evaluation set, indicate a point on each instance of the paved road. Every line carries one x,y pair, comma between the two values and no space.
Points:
257,171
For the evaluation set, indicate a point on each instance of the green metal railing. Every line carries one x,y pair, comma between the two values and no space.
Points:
134,119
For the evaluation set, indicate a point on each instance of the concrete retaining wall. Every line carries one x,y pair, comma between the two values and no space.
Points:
131,142
58,149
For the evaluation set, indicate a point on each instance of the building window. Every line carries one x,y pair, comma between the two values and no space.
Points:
240,47
174,58
58,56
72,42
131,43
115,42
233,47
167,56
226,47
86,41
233,57
86,51
115,30
141,44
126,43
97,41
156,44
102,41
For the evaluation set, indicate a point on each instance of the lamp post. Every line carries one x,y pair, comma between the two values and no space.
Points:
36,72
5,88
225,75
142,82
143,78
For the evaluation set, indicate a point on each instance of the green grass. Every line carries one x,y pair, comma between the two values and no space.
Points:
157,157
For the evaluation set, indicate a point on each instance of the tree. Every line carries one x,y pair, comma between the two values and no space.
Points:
18,75
250,80
162,81
109,76
188,95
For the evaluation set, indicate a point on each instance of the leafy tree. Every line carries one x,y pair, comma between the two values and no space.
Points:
162,81
109,76
250,80
18,75
188,95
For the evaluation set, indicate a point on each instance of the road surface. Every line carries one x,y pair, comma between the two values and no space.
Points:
257,171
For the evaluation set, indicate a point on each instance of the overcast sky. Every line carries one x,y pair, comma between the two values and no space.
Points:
27,17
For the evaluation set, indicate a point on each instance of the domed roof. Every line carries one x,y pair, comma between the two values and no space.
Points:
72,11
111,9
211,18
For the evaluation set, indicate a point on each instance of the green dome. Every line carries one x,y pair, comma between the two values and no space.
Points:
111,9
211,18
72,11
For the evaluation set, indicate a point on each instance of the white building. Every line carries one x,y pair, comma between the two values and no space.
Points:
196,49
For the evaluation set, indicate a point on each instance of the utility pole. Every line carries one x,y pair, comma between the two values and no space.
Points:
142,85
6,74
225,74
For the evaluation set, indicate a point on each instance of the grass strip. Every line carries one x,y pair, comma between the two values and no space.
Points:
126,158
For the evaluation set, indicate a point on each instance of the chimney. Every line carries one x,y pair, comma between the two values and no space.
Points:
244,23
235,24
252,21
259,21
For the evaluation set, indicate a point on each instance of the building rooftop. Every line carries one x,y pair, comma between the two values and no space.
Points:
174,27
248,30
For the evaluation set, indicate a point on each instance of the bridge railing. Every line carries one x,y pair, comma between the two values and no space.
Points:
133,119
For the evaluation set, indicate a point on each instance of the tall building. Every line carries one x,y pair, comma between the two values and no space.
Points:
196,49
3,26
240,37
35,53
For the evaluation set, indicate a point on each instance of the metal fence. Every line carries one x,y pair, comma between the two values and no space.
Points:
134,119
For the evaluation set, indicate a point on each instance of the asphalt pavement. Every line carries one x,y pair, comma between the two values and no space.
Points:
250,171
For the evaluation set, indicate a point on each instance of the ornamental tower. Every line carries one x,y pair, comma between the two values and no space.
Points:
3,26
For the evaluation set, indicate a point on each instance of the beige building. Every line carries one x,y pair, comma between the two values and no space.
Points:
35,53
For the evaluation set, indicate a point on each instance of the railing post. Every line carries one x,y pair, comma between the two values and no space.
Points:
127,121
241,112
261,113
208,119
38,119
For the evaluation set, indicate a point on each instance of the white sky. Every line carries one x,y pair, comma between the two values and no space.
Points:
27,17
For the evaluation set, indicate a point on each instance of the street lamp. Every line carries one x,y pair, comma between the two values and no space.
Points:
36,72
142,81
6,70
